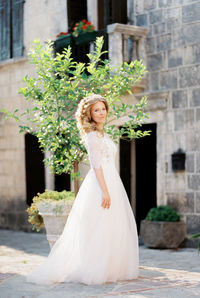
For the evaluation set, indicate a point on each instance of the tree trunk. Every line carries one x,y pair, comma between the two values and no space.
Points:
76,184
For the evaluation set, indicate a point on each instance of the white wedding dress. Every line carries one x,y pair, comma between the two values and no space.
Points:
97,245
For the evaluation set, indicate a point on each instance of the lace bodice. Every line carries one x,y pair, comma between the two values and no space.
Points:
101,149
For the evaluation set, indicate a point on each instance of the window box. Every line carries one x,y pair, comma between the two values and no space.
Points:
85,37
63,42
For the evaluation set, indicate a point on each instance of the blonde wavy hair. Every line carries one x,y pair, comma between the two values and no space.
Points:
85,123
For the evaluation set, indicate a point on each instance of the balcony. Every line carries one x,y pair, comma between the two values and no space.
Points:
124,42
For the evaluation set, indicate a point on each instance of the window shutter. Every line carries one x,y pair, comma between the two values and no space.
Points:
17,28
4,29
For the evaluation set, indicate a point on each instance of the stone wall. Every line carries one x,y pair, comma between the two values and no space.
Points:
173,63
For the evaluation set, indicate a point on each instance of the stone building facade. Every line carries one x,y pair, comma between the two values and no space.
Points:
173,62
165,35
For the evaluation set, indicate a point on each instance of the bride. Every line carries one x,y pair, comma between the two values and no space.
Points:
99,242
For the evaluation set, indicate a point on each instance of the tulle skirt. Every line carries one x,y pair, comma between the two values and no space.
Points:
97,245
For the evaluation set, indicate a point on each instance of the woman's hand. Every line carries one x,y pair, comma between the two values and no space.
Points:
106,202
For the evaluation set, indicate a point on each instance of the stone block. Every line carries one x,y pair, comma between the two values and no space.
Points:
197,115
189,164
168,79
165,3
191,13
172,13
150,45
189,76
195,98
191,33
179,99
156,16
186,35
198,202
155,62
172,24
21,219
11,219
141,20
181,202
191,140
153,79
175,182
193,223
181,2
183,119
164,42
148,5
175,57
159,28
192,54
198,162
194,182
4,77
150,31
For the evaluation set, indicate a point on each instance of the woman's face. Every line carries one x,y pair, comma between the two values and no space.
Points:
99,112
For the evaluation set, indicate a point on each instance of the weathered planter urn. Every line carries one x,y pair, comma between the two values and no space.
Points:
161,234
55,215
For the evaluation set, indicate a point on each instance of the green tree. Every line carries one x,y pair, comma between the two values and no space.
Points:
55,92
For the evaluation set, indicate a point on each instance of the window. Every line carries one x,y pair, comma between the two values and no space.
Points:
11,28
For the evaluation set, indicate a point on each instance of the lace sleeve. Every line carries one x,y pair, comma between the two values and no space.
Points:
94,145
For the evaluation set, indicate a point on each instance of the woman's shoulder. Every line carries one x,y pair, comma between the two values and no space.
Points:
94,133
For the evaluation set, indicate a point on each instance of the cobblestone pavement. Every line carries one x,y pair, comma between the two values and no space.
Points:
163,273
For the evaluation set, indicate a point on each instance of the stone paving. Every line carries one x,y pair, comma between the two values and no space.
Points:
163,273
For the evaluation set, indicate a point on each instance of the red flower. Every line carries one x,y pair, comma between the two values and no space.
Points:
84,21
93,27
61,33
84,27
88,23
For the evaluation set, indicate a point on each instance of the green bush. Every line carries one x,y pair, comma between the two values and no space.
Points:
33,213
162,213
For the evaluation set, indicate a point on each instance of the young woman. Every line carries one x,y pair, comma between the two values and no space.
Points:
99,242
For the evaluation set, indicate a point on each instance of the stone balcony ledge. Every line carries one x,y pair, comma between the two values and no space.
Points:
126,43
135,31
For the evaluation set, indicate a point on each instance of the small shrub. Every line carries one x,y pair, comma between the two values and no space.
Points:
162,213
33,213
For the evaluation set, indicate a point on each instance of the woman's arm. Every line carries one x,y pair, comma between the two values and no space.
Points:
105,194
94,147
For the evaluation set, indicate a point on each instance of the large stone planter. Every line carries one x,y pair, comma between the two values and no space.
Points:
160,234
55,215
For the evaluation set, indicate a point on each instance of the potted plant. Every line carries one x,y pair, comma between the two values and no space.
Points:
51,209
162,228
84,32
63,40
